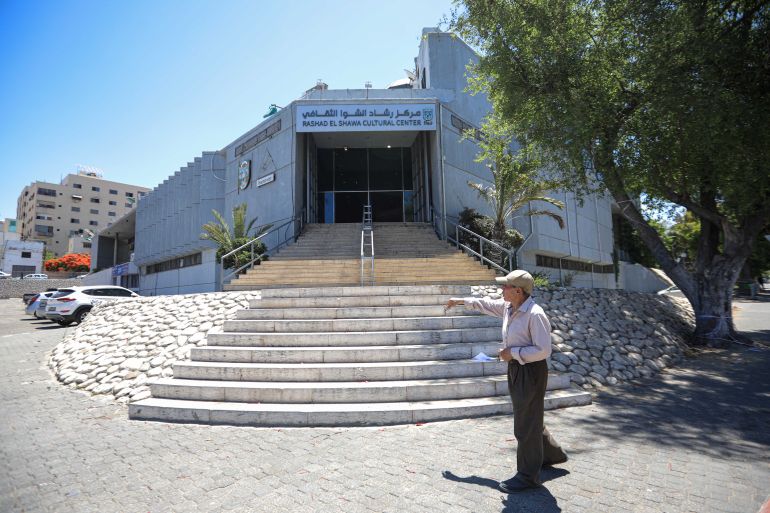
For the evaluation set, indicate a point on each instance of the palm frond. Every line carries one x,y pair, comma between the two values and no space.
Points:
553,215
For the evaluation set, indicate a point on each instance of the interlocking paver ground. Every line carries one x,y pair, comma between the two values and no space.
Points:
694,439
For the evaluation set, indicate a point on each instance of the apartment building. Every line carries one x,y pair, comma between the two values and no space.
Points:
82,203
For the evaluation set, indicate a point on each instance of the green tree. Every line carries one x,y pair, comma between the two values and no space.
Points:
229,239
682,239
515,176
668,101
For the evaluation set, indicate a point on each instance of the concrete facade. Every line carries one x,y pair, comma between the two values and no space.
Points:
55,212
22,257
167,246
280,164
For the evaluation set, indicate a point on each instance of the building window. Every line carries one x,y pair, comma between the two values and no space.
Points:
111,214
129,195
175,263
95,200
46,192
93,223
76,209
94,211
113,191
95,188
113,203
77,186
142,194
75,221
129,205
26,254
87,245
42,230
566,264
44,218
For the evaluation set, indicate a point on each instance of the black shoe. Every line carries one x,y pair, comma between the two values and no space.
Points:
516,484
555,462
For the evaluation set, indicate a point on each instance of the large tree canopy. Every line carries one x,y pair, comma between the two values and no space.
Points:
663,100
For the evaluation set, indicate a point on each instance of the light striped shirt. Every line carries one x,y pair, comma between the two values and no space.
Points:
526,330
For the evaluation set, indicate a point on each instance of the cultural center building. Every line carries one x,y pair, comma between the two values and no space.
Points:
328,153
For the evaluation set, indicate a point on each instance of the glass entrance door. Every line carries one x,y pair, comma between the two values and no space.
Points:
349,178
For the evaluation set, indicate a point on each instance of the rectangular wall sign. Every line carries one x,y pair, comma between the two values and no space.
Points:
366,117
265,179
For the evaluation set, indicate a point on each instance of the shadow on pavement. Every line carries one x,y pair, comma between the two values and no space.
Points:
49,326
716,404
762,336
539,499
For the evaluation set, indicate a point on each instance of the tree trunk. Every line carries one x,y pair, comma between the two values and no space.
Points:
712,305
710,288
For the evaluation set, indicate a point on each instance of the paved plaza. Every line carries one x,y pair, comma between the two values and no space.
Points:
694,439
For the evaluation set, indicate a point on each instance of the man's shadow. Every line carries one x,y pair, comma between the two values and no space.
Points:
516,502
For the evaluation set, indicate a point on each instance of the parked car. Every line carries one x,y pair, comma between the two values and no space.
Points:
72,304
36,277
27,297
37,305
673,290
4,275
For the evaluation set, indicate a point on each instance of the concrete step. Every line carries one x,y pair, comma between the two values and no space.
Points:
235,286
343,354
349,301
373,312
339,392
448,290
336,414
304,274
366,371
335,325
356,338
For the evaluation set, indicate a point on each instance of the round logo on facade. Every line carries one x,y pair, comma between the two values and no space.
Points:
244,174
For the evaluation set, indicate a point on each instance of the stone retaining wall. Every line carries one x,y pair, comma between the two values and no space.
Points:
123,344
17,288
600,337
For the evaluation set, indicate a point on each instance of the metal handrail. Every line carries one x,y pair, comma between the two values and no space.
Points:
367,228
250,264
480,253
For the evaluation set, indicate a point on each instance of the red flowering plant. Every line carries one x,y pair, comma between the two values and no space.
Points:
70,262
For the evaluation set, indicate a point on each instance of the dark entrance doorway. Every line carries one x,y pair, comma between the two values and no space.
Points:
349,178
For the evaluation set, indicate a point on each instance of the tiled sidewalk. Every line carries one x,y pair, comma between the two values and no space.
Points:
694,439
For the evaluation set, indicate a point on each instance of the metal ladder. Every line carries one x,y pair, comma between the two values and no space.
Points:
367,243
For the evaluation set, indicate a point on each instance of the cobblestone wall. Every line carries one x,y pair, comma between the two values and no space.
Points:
17,288
123,344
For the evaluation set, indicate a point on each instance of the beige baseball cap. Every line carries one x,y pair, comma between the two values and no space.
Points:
518,278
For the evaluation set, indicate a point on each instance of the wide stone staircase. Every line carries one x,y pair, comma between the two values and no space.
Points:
342,356
329,255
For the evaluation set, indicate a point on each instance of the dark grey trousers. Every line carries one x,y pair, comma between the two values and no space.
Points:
536,446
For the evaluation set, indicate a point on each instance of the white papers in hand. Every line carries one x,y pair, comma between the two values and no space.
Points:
482,357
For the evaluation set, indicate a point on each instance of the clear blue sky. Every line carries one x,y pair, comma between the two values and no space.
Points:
140,88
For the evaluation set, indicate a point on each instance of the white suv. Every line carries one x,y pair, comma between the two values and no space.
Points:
73,303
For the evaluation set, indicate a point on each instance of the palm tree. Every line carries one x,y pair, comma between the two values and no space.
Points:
515,177
220,233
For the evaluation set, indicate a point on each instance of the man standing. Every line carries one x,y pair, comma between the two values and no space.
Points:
526,346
